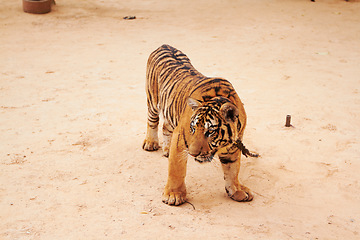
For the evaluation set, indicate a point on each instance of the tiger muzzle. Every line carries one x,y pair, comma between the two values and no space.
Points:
203,159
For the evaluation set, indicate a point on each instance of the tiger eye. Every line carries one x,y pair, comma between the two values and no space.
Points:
192,128
210,132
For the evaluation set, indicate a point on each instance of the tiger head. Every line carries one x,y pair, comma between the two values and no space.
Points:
214,124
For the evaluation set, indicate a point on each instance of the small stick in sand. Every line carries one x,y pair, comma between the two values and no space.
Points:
288,120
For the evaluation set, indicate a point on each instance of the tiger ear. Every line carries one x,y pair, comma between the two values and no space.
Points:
193,103
229,112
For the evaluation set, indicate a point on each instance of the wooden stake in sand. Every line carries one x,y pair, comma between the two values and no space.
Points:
288,121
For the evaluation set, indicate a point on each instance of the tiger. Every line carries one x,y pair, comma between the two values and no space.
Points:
202,117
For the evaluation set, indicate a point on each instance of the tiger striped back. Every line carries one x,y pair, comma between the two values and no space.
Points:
172,79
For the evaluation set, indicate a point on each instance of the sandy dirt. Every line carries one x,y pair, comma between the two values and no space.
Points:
73,119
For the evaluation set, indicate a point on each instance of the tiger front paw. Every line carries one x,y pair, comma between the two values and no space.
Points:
174,198
241,195
150,145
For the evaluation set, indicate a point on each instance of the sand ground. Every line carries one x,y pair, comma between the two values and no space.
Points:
73,118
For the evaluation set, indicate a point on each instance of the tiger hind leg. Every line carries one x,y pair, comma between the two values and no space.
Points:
151,142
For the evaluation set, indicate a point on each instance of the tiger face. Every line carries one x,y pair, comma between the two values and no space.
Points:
213,125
